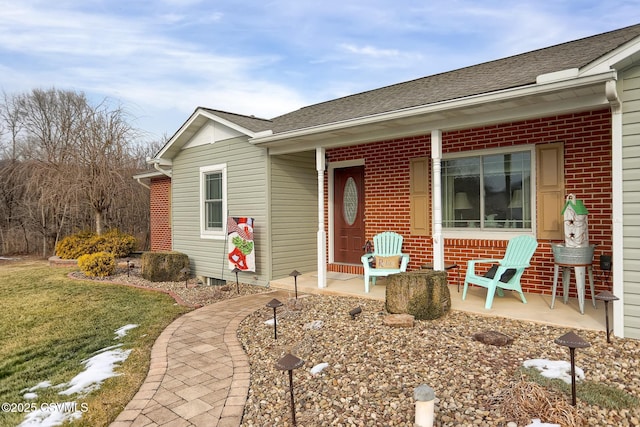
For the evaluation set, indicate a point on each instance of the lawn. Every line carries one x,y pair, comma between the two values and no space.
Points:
50,323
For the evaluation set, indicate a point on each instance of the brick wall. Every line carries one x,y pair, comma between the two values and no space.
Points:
160,215
587,145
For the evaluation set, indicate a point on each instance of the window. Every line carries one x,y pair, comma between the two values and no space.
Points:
213,196
488,192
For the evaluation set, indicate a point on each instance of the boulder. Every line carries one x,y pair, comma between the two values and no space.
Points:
493,338
421,293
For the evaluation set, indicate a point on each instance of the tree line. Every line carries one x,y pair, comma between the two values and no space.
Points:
66,165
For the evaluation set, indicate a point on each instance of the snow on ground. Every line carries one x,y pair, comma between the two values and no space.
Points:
554,369
120,333
98,368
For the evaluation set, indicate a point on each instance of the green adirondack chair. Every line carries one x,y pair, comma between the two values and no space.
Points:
506,273
387,256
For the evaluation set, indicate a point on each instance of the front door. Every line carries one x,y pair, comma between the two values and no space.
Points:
348,214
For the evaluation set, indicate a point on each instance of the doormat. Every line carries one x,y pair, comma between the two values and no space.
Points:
334,275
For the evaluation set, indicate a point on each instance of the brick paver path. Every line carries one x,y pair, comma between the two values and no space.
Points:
199,373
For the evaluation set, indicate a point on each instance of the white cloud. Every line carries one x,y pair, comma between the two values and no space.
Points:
266,58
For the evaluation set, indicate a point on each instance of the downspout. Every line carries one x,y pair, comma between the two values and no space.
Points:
321,235
156,166
143,184
436,197
611,93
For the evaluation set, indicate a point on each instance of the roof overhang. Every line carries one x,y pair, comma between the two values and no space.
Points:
148,175
561,94
193,124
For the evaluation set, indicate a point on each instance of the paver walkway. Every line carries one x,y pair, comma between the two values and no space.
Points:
199,373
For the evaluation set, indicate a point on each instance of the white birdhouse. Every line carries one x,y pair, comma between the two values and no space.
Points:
576,227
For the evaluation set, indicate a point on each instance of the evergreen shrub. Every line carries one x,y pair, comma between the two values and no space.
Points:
99,264
87,242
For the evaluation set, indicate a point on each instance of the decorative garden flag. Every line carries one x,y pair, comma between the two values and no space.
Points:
576,228
241,248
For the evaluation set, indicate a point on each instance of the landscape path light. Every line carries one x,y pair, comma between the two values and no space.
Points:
607,296
274,303
289,363
572,341
237,270
425,400
295,274
130,265
184,272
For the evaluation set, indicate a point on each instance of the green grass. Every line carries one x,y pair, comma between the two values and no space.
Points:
590,392
49,323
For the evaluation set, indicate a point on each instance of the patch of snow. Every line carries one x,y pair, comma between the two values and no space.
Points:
269,322
52,415
97,369
554,369
123,331
315,325
319,368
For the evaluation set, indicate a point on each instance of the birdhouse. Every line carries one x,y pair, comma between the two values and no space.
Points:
576,228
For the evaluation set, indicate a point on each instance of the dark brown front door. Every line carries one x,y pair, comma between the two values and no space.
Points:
348,214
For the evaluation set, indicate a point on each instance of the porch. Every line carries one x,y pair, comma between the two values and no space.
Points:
538,307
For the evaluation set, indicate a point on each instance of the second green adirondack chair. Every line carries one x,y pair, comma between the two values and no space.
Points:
508,271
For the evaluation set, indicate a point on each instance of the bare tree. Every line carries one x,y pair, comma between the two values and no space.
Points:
66,165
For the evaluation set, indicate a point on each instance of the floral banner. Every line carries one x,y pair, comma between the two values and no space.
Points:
241,247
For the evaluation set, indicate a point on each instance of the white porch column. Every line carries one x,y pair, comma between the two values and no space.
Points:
322,235
617,208
436,197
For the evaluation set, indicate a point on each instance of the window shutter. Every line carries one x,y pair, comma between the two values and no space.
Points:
550,190
419,196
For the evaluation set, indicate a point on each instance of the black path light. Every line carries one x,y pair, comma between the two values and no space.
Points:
607,296
237,270
295,274
289,363
185,273
572,341
274,303
129,266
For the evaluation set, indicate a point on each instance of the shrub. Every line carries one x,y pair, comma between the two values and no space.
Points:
86,242
118,243
72,247
163,266
99,264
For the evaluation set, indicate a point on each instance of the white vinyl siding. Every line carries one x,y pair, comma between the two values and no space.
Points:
246,195
294,213
631,200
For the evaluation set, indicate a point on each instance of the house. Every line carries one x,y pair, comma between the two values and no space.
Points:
457,163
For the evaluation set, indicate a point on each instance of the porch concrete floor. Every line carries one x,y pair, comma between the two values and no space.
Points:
537,309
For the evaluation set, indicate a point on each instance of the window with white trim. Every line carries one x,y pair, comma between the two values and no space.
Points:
488,191
213,201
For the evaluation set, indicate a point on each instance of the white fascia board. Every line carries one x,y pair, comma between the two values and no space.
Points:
176,136
227,123
147,175
198,113
617,59
475,100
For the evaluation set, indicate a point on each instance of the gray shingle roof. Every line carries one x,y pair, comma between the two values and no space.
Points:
254,124
487,77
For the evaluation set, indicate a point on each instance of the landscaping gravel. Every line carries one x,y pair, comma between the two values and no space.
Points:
372,370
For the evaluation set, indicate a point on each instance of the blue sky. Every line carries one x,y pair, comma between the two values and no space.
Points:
161,59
